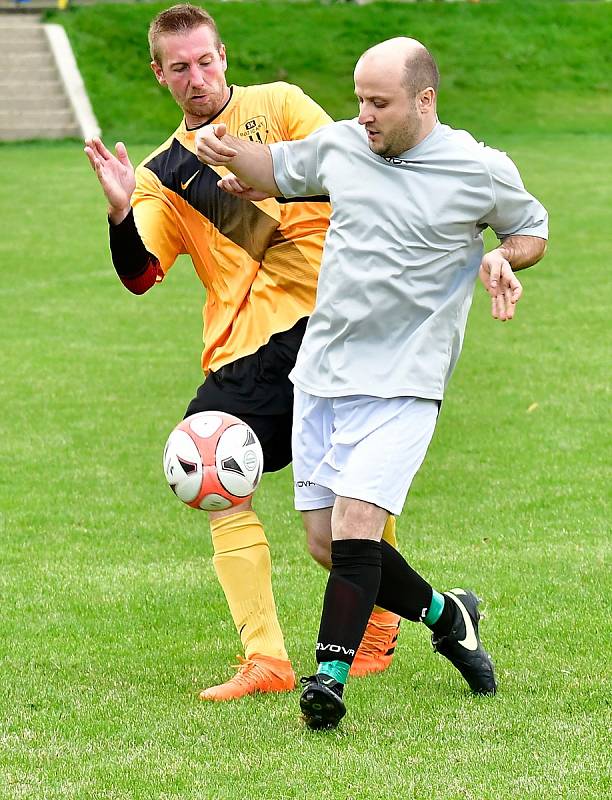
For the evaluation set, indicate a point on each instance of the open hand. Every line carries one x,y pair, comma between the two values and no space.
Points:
501,283
116,176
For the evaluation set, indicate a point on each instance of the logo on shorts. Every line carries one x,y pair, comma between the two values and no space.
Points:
302,484
256,130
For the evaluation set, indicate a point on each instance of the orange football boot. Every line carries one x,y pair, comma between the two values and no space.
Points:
378,644
256,674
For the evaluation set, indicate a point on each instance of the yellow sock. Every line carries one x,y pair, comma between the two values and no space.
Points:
244,569
389,531
389,537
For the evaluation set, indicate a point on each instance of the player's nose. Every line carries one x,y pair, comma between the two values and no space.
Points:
365,115
195,75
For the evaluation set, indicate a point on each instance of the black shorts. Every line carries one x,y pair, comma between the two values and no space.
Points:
257,389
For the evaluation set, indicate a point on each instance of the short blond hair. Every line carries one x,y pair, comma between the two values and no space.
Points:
179,19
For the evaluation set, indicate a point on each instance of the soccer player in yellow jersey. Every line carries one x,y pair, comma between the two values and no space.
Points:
258,262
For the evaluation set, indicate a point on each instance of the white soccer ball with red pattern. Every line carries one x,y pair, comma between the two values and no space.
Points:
213,460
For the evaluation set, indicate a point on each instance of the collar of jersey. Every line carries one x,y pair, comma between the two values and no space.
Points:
213,118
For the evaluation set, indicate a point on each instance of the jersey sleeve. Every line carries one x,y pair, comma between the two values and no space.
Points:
514,211
295,166
302,114
156,219
137,269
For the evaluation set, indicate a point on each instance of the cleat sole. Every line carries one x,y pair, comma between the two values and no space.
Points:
321,708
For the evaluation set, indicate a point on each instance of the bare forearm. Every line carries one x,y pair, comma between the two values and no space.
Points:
253,165
522,251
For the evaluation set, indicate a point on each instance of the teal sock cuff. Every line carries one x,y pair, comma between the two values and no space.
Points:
435,608
338,670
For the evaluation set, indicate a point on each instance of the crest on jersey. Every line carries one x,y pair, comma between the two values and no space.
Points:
256,130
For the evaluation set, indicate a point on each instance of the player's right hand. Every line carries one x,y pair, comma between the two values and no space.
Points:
501,283
212,146
116,176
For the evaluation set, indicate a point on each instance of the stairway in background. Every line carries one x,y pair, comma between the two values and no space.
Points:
33,101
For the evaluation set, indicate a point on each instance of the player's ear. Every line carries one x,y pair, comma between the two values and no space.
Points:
223,56
426,100
159,73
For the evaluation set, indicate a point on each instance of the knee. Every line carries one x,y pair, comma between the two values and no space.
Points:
317,525
357,519
247,505
319,548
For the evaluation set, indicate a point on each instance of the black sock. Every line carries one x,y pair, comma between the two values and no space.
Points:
402,590
351,590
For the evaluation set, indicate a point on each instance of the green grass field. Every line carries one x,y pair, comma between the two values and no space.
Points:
111,617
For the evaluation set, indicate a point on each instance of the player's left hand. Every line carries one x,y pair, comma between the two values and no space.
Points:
233,185
501,283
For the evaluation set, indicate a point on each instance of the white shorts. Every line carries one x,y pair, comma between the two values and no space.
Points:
368,448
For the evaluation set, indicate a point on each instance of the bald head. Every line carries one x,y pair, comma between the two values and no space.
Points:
396,83
404,60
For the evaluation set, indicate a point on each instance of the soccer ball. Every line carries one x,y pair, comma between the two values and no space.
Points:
213,461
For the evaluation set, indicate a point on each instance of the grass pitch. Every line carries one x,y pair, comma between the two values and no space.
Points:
111,617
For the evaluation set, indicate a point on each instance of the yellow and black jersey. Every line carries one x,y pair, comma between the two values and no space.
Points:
258,261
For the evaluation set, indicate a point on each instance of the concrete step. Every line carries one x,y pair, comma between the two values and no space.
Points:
38,103
21,37
23,134
12,20
43,88
26,118
19,43
34,103
28,32
46,73
27,59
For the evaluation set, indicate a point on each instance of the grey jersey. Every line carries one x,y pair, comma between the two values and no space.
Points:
401,256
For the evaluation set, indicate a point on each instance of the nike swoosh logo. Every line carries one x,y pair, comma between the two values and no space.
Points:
470,642
186,184
327,682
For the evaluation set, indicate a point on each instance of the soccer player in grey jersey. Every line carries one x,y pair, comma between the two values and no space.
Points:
410,198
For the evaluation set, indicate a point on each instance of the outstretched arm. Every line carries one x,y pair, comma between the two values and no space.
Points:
137,268
498,267
116,176
249,161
